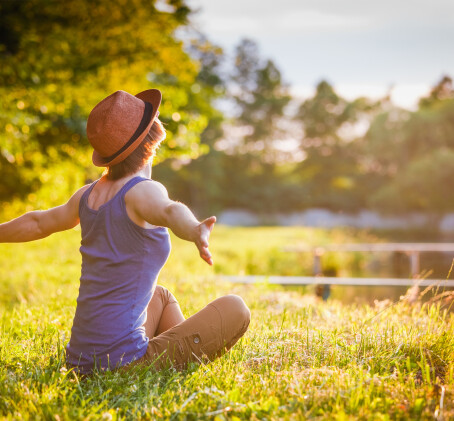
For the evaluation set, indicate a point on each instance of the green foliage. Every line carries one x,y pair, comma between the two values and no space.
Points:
413,155
60,58
199,182
423,185
259,100
323,115
441,91
331,170
300,359
216,181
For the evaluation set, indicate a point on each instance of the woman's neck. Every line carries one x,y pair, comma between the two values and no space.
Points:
146,171
142,172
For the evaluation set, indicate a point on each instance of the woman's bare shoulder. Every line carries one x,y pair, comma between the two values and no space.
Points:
148,200
150,186
149,191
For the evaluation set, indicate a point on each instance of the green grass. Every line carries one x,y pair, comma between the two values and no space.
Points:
301,358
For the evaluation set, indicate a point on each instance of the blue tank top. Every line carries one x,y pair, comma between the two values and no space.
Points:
120,264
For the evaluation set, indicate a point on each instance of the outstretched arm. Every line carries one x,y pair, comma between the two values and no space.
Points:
151,203
39,224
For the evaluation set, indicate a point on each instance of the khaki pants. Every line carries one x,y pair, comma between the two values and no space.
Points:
176,341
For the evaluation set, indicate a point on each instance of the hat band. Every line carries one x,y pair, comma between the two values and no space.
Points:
146,117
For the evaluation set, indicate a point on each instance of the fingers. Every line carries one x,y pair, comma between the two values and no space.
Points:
206,255
204,238
205,229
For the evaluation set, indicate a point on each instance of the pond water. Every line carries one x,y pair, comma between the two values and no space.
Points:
435,266
368,294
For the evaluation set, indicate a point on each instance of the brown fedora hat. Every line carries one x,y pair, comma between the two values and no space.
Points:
119,123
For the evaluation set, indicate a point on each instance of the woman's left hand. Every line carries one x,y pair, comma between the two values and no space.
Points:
203,234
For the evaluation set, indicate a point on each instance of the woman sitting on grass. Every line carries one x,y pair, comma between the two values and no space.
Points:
122,317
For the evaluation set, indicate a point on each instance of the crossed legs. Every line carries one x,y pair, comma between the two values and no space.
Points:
204,336
163,312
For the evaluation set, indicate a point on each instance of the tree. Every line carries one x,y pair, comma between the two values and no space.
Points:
331,171
244,175
60,58
249,162
413,152
443,90
424,185
260,97
197,182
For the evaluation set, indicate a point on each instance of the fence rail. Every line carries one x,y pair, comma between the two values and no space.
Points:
327,280
413,250
403,247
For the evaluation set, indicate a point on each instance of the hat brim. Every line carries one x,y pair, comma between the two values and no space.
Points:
154,97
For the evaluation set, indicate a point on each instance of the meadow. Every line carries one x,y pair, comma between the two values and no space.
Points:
301,358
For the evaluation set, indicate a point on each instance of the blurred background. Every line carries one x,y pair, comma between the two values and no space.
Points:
318,113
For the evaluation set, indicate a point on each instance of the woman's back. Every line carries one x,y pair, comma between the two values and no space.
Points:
124,246
120,265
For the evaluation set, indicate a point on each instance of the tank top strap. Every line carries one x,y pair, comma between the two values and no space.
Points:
86,193
129,185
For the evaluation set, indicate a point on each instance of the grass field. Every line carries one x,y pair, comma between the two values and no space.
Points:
301,358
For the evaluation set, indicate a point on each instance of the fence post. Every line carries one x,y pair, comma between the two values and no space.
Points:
318,253
322,291
414,264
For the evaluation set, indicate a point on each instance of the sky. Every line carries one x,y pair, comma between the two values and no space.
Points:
362,47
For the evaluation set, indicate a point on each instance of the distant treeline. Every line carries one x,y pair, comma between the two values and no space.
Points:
274,154
236,137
